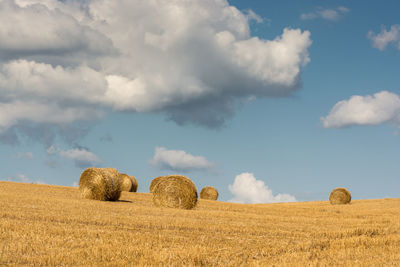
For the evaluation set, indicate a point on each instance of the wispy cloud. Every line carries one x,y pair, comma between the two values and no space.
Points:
24,155
382,39
380,108
331,14
247,189
251,15
178,160
54,164
106,138
23,179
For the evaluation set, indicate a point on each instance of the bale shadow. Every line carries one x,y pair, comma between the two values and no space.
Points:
124,201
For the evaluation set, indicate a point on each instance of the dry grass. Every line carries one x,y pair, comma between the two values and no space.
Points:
43,225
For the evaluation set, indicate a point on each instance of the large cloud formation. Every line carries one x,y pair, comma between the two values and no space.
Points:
247,189
63,62
380,108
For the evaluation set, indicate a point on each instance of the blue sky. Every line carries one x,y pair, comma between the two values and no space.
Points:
239,95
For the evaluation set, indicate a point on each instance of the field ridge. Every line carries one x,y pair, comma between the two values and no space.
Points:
46,225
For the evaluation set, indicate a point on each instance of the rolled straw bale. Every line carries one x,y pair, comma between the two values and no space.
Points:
126,182
135,184
100,184
175,191
340,195
209,192
154,182
129,183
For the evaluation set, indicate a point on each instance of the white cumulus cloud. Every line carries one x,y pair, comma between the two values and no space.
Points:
31,27
382,39
194,62
325,13
382,107
81,156
247,189
178,160
44,95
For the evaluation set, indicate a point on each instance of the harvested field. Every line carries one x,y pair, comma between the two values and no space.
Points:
52,226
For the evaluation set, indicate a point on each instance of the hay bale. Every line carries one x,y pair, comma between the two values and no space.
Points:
340,195
126,182
175,191
154,182
135,184
129,183
209,192
100,184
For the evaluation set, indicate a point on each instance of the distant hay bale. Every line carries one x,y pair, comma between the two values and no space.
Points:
126,182
100,184
135,184
175,191
340,196
154,182
209,192
129,183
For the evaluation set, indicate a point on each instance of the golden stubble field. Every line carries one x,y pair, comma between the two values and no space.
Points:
42,225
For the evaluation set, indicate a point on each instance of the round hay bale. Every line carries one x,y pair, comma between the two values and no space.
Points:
126,182
154,182
100,184
135,184
175,191
209,192
129,183
340,195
